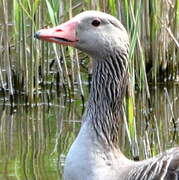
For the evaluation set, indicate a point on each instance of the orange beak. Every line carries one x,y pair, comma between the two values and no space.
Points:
63,34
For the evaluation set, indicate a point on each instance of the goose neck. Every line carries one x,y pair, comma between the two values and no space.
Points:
108,86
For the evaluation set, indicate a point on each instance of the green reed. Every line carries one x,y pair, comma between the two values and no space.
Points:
6,54
152,26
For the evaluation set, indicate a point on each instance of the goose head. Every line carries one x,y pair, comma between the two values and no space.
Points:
93,32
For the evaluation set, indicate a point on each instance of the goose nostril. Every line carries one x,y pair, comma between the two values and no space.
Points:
59,30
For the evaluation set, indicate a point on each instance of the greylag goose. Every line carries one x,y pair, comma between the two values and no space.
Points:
95,154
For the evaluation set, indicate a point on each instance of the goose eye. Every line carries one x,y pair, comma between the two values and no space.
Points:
96,22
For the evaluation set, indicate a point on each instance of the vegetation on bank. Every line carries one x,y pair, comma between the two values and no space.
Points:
28,66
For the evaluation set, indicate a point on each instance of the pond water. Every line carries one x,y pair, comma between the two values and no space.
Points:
34,140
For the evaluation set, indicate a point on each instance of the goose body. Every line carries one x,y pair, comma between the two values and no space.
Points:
95,154
89,160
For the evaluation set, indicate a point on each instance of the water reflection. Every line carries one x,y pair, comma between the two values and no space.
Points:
34,141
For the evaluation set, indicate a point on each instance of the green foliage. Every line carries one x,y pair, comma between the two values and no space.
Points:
153,51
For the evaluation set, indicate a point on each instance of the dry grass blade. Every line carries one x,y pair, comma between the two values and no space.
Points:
6,42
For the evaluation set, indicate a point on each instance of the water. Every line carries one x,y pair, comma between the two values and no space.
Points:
35,140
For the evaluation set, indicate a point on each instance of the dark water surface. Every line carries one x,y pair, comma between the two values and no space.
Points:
35,140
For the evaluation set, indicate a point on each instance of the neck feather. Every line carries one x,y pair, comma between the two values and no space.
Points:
108,86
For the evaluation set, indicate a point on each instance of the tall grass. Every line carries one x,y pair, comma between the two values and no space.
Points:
28,67
6,50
